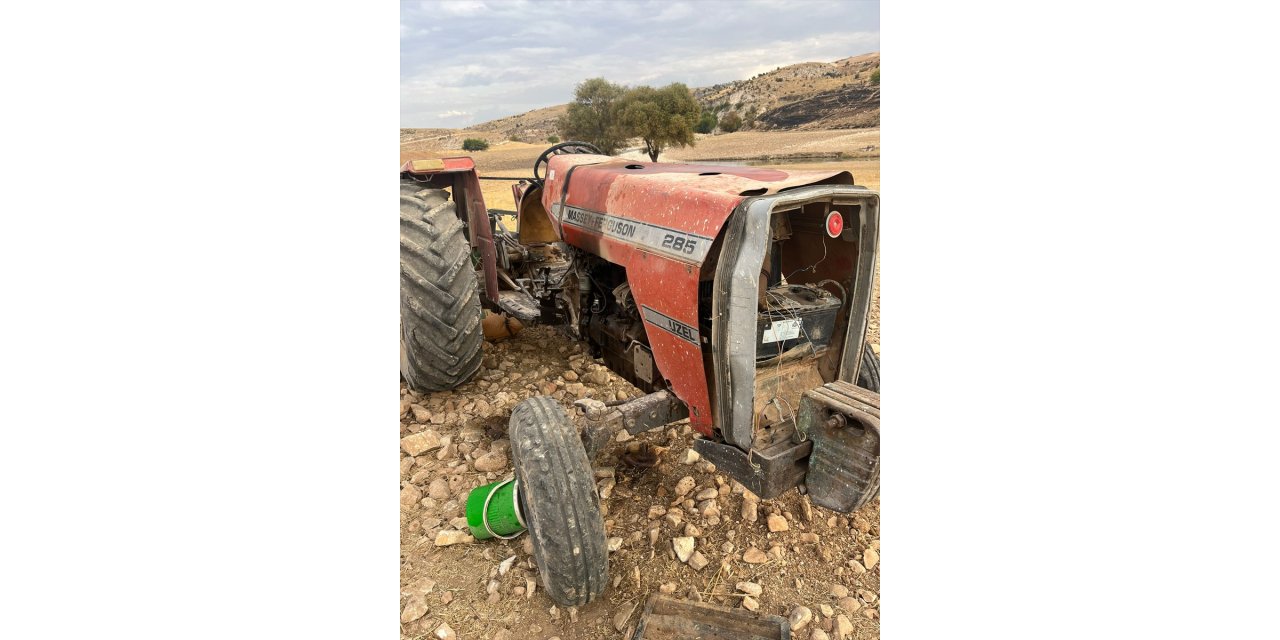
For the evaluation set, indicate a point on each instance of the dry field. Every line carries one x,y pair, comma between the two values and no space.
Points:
823,561
516,159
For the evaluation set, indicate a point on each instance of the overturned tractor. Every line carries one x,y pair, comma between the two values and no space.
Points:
736,297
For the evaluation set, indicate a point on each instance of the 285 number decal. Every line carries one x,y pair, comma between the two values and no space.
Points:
679,243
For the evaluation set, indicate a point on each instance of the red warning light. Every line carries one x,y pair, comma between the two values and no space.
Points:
835,224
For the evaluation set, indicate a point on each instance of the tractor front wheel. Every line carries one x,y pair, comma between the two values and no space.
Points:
869,373
440,335
559,502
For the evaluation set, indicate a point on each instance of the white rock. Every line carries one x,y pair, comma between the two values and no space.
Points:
800,617
844,626
445,632
684,486
414,608
420,442
690,456
505,565
750,588
492,461
446,538
409,496
684,547
615,544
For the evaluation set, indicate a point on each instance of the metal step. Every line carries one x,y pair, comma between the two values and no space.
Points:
521,305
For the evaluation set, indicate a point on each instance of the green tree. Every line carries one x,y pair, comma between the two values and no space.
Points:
553,139
591,115
875,77
705,123
730,122
661,117
474,144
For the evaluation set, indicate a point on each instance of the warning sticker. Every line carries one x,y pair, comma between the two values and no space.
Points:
781,330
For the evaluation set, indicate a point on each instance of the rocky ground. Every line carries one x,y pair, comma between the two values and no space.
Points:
783,557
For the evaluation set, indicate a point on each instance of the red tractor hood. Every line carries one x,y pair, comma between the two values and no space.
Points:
694,198
659,221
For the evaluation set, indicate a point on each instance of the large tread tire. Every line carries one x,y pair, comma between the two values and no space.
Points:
869,373
559,502
440,334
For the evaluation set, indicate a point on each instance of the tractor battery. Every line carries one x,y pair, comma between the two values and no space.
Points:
793,315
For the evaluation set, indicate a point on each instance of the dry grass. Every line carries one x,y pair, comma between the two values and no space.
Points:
516,159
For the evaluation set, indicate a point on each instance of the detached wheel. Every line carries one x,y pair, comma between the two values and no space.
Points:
559,502
869,373
440,335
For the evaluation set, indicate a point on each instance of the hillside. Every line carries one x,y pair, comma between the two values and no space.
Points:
809,95
805,96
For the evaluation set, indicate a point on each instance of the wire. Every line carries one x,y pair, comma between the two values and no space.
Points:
813,267
843,295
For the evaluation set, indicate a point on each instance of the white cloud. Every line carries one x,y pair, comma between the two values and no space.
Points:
461,7
494,59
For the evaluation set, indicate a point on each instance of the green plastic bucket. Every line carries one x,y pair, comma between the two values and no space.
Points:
493,512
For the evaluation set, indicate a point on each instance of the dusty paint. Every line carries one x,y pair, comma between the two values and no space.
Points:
677,197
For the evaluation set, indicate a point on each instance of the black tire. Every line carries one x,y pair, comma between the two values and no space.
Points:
869,373
559,502
440,334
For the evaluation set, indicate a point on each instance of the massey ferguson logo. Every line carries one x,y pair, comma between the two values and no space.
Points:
683,246
599,222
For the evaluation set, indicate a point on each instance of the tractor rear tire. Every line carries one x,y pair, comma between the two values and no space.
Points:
869,373
440,335
559,502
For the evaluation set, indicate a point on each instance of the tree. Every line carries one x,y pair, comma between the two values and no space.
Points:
474,144
731,122
705,123
553,139
750,120
661,117
591,116
875,77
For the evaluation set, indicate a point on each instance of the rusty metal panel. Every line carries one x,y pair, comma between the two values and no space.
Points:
477,217
769,472
843,421
438,165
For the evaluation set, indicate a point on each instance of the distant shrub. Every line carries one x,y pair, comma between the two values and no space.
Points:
731,122
705,123
875,77
553,139
474,144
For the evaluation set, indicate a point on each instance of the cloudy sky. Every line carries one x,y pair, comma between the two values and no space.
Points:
467,61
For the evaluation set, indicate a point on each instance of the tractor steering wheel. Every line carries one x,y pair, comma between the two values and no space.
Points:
572,146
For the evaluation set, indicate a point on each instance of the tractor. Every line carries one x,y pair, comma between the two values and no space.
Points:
735,297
